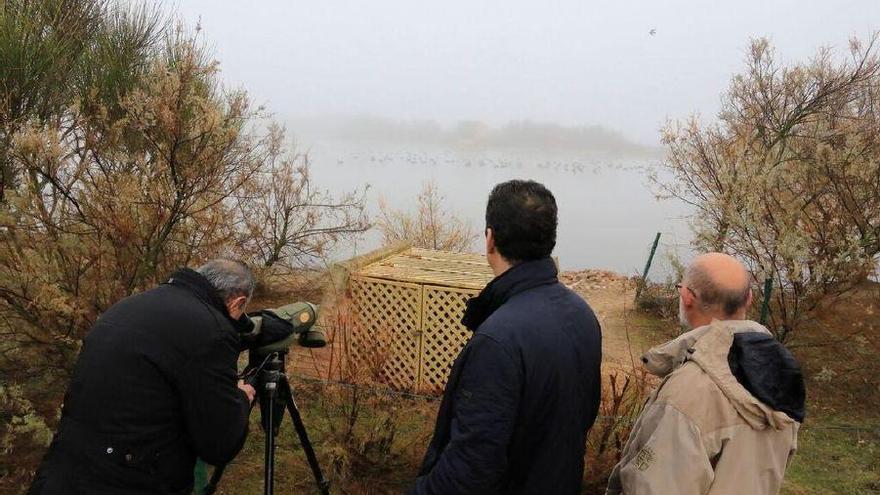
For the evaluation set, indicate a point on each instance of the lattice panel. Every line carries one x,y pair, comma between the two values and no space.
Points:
443,334
387,321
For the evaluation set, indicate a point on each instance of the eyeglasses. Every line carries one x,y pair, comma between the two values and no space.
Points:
682,286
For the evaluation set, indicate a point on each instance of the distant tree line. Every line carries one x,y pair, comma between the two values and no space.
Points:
520,135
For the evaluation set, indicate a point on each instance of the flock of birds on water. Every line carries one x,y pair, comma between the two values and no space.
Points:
572,165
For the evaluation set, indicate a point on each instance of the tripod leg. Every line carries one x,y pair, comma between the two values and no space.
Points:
323,484
269,460
211,487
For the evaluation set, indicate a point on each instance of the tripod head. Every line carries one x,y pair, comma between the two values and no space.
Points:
274,396
273,390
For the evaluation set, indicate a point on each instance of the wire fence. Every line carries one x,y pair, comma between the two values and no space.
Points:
669,254
625,420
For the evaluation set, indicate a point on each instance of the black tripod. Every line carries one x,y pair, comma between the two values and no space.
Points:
275,395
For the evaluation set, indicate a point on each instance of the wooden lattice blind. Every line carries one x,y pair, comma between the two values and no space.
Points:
407,311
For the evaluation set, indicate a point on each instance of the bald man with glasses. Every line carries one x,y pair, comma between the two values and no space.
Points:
725,418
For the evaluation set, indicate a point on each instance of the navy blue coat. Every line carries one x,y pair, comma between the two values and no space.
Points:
521,395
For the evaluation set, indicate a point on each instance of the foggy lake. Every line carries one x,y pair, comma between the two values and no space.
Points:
628,66
608,211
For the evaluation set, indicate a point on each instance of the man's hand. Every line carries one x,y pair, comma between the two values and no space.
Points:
247,389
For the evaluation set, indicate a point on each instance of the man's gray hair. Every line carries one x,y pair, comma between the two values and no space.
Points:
231,278
712,294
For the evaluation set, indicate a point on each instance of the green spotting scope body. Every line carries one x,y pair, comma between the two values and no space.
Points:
300,315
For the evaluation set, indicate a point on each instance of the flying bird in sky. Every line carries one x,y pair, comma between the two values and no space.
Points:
652,32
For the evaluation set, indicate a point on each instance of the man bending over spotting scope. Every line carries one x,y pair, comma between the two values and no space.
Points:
155,387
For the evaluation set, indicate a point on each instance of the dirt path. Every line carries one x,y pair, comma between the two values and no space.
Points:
626,334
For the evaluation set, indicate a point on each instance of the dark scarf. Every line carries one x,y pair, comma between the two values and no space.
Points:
521,277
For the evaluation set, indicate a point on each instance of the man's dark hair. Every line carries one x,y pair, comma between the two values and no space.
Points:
522,216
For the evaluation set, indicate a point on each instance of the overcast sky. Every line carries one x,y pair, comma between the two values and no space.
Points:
572,62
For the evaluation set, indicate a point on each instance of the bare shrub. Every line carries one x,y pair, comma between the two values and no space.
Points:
22,431
660,299
432,227
285,219
788,178
123,158
623,396
374,439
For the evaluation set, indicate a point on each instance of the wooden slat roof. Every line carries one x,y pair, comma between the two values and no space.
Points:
423,266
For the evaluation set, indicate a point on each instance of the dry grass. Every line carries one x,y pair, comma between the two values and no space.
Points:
622,400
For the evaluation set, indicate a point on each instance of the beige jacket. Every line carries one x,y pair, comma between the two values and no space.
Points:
701,432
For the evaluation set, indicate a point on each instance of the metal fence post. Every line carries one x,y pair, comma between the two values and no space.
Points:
648,265
765,306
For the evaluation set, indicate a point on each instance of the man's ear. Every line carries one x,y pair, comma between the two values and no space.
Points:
750,299
687,297
236,302
490,241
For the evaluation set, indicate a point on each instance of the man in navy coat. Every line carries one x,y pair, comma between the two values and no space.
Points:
524,391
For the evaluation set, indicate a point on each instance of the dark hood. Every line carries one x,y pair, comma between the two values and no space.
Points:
768,371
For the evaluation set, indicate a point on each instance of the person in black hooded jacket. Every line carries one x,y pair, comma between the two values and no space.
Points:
524,391
154,387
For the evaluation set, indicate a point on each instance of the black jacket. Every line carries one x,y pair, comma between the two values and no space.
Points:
522,393
154,387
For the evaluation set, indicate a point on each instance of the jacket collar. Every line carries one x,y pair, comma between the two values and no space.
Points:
708,347
194,282
665,358
518,278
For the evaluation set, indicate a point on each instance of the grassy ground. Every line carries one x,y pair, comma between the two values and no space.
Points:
832,461
369,444
839,450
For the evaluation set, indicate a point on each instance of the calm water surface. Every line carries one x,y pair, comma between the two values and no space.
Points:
608,212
